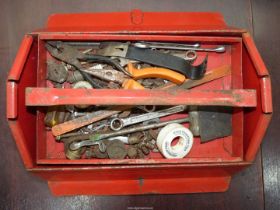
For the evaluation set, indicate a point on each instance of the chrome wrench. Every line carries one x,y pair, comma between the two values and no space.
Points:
75,145
147,45
118,123
165,45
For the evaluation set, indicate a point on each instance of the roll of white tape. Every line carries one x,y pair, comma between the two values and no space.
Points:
168,134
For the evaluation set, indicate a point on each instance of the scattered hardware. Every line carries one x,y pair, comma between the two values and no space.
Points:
153,57
93,138
116,150
56,115
119,132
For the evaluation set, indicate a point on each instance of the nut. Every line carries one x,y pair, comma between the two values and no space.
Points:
150,145
98,154
136,138
56,72
88,153
73,154
74,76
116,150
132,152
145,149
140,154
154,133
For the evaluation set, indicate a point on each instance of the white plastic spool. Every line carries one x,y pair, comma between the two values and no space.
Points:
168,134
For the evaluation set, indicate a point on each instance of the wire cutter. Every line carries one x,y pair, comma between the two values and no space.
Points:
111,75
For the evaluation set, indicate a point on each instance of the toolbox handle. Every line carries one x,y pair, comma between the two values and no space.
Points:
54,96
14,76
11,91
21,58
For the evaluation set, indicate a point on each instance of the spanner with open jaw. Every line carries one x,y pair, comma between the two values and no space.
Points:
118,123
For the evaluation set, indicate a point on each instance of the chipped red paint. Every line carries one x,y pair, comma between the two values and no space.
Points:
54,96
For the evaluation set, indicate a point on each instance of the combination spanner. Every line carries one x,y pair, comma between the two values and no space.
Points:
118,123
97,137
147,45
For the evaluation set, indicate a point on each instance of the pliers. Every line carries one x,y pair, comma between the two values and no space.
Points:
73,56
111,75
130,83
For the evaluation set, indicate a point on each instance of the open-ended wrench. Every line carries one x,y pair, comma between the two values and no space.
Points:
145,45
75,145
118,123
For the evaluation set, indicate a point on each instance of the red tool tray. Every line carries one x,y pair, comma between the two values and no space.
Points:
221,150
207,168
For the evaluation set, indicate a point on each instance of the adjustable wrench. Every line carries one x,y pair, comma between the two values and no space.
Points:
118,123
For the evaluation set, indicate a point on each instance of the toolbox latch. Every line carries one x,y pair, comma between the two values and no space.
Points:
137,16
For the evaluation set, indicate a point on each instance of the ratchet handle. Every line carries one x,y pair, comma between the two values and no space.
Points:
155,72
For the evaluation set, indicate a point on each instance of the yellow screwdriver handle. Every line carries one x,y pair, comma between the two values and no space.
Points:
154,72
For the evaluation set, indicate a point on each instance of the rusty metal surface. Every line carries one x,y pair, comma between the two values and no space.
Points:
85,120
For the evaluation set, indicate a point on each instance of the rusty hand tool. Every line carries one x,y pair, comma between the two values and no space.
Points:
73,56
104,59
115,76
127,50
109,75
96,137
154,72
127,83
69,55
118,123
85,120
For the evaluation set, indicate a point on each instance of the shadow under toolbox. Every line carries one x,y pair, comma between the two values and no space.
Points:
135,82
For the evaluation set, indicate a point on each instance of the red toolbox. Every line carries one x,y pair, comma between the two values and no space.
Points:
207,168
